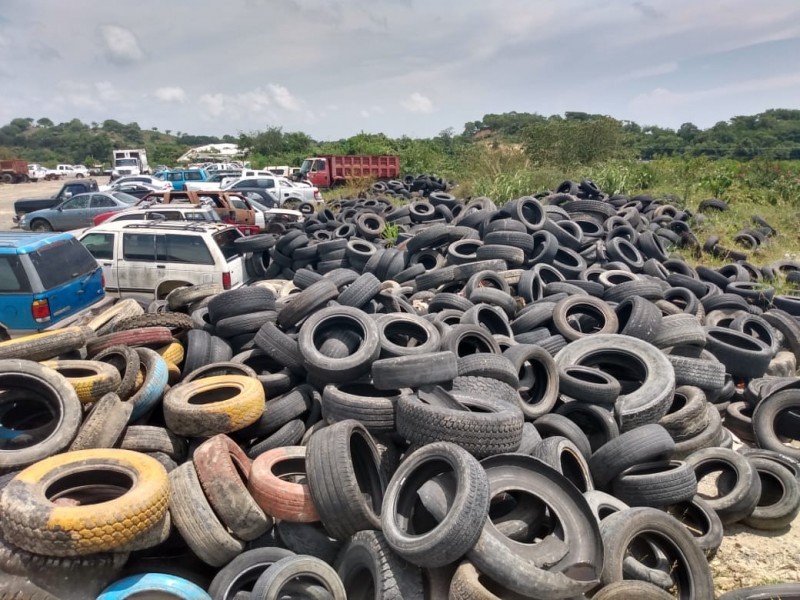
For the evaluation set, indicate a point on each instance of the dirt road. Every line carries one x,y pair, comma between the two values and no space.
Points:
40,189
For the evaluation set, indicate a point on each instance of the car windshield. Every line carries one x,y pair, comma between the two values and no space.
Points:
126,162
306,166
226,242
257,205
125,198
61,262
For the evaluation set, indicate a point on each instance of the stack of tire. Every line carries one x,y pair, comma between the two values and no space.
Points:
422,185
513,402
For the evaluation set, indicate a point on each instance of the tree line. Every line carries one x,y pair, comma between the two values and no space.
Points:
573,138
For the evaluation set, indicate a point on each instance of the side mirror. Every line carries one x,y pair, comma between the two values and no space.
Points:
67,195
60,208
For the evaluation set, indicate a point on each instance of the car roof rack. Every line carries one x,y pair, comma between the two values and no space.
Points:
172,226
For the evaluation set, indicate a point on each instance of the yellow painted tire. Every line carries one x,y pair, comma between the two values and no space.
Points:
172,353
213,405
173,372
138,382
41,346
135,485
91,379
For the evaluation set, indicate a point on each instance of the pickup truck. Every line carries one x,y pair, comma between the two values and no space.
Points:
78,171
178,178
231,208
289,195
36,172
69,189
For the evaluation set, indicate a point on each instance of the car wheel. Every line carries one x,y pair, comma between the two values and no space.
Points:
79,175
291,203
41,225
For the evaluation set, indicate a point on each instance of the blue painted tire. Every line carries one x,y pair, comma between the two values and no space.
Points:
176,587
155,382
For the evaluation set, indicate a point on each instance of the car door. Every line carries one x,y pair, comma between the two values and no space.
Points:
136,265
183,257
73,213
101,246
176,179
99,205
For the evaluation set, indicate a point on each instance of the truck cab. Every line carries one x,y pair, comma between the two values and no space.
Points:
179,177
129,162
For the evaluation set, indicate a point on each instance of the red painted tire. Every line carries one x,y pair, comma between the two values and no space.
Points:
135,337
278,497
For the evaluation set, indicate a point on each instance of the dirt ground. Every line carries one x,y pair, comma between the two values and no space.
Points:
747,556
38,189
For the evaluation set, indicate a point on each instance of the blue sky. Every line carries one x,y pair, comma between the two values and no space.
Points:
333,68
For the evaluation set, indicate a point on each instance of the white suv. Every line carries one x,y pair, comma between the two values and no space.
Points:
165,212
147,260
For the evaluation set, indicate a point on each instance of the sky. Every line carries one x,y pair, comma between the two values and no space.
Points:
333,68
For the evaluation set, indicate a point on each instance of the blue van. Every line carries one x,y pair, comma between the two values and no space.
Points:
44,279
179,177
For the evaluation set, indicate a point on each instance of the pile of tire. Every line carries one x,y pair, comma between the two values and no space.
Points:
422,185
511,402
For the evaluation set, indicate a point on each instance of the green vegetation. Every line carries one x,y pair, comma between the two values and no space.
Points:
752,162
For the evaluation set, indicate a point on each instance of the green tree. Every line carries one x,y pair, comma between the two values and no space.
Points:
44,122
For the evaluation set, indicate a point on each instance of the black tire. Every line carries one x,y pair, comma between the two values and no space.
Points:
198,350
712,435
48,396
558,425
336,318
596,422
530,439
373,408
414,370
742,355
289,434
242,572
127,362
738,487
240,301
495,427
402,335
588,385
779,503
243,324
196,521
308,538
645,403
765,420
494,366
538,376
566,458
279,578
458,530
631,590
691,572
280,347
345,478
361,291
638,318
306,302
279,411
785,591
392,578
656,484
149,438
702,521
699,372
103,426
680,330
571,314
643,444
255,243
687,415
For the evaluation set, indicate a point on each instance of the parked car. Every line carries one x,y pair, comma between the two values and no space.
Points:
231,208
160,212
76,212
46,280
68,190
287,193
148,179
214,182
179,178
36,172
80,171
147,260
140,190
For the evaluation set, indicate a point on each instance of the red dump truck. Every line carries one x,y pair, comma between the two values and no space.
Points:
14,171
332,170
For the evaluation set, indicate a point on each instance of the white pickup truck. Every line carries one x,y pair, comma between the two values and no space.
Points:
287,192
76,171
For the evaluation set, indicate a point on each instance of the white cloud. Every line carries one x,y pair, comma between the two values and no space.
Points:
418,103
371,111
650,71
259,100
4,42
94,96
170,94
283,97
664,98
121,44
213,103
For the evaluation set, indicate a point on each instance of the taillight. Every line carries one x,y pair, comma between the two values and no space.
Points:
40,309
226,280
